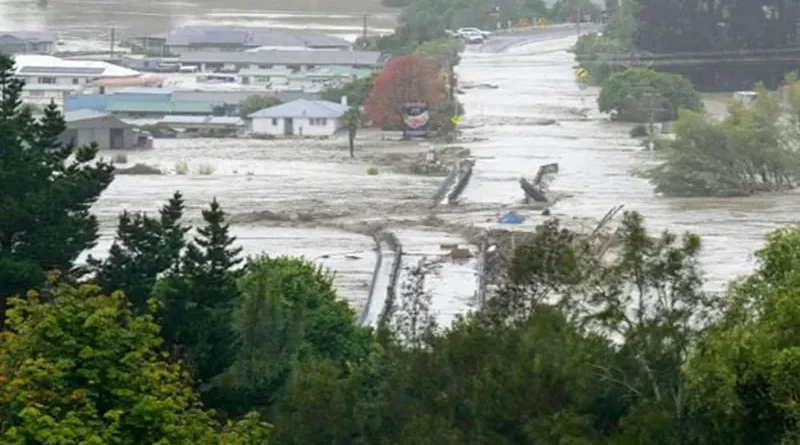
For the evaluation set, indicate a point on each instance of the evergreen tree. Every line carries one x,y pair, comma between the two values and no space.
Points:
145,247
46,190
199,298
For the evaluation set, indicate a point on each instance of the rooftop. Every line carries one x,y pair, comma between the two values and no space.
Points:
144,90
303,108
251,37
30,36
82,115
33,65
176,119
277,57
145,106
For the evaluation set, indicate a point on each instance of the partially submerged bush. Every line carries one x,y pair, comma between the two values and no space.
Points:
205,169
639,131
181,167
372,171
634,94
752,150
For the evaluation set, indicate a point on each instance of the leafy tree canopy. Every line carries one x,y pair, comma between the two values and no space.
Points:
77,366
635,93
256,102
752,150
357,91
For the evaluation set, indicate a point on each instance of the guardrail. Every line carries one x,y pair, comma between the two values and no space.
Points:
378,263
533,28
388,306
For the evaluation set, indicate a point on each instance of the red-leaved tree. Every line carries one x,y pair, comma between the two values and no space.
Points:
404,79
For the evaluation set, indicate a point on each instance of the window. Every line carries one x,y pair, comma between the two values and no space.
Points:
48,80
323,121
76,81
274,121
318,121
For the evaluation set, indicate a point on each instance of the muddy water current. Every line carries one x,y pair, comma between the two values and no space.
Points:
316,183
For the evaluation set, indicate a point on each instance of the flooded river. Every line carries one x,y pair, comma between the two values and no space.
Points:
534,79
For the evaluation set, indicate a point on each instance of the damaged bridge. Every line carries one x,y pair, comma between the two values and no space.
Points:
455,184
535,191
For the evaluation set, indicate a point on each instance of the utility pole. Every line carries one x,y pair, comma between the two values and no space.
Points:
364,29
113,38
578,17
651,103
453,100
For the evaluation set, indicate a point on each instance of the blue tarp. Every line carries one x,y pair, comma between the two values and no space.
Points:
512,217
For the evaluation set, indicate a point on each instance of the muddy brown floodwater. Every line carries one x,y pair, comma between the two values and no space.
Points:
308,198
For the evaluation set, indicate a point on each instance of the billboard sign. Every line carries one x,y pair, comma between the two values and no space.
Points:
416,116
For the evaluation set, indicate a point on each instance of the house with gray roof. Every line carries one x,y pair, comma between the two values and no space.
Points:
236,38
27,42
300,118
108,132
295,61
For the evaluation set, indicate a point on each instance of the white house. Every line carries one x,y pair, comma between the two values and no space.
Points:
51,78
301,117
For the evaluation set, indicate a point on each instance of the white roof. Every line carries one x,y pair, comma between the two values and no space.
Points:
303,108
29,64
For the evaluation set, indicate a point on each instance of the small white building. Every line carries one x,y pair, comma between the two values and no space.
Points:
51,78
301,117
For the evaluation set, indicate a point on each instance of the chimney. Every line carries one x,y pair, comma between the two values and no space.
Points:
344,100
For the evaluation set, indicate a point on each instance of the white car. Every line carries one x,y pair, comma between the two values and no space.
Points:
463,31
472,37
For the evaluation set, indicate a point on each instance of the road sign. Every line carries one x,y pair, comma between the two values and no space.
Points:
582,73
455,120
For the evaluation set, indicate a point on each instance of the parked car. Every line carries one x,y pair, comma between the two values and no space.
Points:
472,37
463,31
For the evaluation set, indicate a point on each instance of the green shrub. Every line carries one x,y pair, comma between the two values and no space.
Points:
631,94
372,171
639,131
205,169
181,167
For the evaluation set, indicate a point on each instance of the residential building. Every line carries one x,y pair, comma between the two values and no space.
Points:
113,85
300,117
235,38
51,78
27,42
205,126
108,132
155,103
312,81
294,61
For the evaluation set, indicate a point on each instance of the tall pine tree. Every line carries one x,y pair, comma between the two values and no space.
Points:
46,190
145,248
199,298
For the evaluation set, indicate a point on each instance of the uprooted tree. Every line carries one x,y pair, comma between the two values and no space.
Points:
752,150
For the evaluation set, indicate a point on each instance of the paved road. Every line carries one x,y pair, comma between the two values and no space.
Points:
502,42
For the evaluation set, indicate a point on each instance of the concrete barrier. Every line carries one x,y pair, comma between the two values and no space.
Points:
362,317
446,185
465,174
391,290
